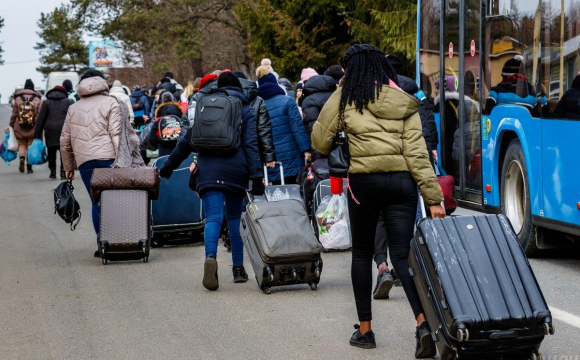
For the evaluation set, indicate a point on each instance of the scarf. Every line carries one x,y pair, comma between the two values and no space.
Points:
128,154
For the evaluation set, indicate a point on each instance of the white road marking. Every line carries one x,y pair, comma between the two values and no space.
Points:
565,317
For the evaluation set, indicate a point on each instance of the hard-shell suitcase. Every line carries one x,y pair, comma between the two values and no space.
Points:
477,288
177,216
125,226
280,243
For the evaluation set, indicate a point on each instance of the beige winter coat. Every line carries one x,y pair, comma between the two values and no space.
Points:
24,133
118,92
92,127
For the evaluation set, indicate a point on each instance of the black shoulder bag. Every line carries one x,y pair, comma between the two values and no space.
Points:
65,204
339,157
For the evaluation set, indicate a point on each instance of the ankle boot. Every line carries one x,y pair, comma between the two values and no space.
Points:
29,168
52,173
62,174
21,167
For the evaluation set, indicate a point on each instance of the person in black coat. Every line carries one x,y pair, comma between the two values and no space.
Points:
168,106
315,94
51,120
265,138
569,105
223,180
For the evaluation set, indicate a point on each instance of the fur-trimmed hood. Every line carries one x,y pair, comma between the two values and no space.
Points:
169,108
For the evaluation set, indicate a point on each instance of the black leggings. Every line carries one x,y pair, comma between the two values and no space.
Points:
394,195
51,150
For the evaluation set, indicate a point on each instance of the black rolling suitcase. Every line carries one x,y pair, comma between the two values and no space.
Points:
479,293
280,243
125,226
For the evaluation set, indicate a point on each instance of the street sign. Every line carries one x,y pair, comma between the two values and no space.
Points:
450,50
472,47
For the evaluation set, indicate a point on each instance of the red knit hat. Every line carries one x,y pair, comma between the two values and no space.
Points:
60,88
206,79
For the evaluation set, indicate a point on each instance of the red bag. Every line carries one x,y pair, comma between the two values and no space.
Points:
447,184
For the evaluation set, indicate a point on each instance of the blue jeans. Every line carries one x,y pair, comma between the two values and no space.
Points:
214,202
86,171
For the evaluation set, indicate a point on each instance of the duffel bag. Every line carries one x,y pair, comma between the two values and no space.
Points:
447,184
136,178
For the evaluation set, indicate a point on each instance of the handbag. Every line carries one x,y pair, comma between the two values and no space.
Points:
447,184
134,178
37,153
339,157
65,204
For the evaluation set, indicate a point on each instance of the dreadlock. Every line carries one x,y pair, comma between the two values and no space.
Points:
367,69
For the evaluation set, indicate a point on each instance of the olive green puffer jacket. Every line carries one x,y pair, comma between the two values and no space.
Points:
386,137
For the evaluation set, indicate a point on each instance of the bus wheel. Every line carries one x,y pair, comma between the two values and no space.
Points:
515,197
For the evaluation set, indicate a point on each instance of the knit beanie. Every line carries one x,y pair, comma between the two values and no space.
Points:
92,73
28,84
228,78
395,63
299,85
511,67
206,79
270,78
117,83
240,74
60,88
307,74
67,84
167,97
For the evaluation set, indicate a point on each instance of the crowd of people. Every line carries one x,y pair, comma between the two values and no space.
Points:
391,135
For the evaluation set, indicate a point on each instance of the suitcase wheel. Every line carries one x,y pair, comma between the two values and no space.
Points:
313,286
537,356
549,329
462,335
267,290
146,259
317,273
103,256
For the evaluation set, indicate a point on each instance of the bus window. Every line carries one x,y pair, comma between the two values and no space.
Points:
429,53
561,59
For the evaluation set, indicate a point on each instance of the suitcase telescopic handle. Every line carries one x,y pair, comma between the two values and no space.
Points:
422,204
279,163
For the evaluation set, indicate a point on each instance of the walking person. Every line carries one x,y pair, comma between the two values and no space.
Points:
51,120
91,133
140,106
221,182
388,159
167,107
70,91
291,143
25,112
119,92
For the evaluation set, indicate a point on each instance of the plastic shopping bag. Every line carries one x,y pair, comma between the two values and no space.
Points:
12,142
37,153
333,222
6,154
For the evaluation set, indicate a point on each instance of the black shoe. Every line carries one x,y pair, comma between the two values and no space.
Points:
384,285
29,168
240,275
21,167
425,344
396,278
97,254
62,175
366,341
52,174
210,274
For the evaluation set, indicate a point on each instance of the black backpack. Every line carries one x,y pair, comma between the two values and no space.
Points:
65,204
217,125
136,104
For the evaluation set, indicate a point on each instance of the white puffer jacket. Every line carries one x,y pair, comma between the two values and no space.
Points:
118,92
92,127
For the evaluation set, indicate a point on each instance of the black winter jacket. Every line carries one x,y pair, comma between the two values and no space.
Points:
51,117
425,112
569,105
230,173
315,94
265,138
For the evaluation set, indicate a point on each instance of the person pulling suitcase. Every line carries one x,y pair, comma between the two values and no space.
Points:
226,161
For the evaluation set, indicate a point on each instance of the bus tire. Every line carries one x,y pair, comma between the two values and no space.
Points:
515,197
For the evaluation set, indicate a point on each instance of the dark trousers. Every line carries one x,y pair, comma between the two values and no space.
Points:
394,195
86,171
51,152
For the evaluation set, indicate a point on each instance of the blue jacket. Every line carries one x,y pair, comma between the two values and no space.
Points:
138,96
290,139
225,173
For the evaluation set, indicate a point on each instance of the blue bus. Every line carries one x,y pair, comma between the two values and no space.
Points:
504,79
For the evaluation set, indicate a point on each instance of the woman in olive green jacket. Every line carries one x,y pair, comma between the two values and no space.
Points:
388,161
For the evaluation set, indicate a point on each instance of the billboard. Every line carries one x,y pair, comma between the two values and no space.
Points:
104,54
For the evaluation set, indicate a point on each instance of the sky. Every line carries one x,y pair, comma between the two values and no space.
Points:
18,38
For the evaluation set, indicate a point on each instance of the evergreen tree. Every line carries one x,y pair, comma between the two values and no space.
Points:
62,47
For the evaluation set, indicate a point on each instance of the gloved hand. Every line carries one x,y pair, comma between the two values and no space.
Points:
257,187
166,172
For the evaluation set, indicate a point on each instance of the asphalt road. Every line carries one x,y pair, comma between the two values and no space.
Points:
58,302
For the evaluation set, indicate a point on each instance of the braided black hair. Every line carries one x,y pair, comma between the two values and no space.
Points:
367,70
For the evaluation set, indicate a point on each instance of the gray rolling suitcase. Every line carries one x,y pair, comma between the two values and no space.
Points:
125,227
479,293
280,243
